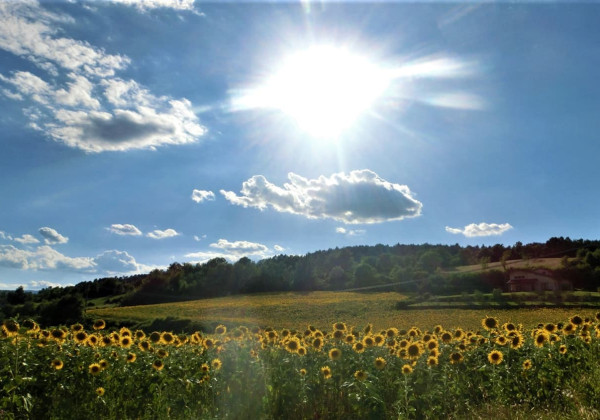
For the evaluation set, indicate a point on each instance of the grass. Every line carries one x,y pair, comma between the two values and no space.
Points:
322,309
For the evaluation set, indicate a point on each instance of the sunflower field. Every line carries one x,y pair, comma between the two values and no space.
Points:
342,372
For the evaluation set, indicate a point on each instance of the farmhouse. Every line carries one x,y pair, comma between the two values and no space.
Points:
537,280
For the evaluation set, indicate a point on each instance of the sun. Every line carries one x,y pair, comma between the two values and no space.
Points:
324,90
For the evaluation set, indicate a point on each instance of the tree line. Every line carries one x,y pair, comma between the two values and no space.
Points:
423,268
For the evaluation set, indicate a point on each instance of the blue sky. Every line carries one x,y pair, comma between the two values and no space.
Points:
136,134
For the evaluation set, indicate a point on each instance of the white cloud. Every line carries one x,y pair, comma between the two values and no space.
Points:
481,229
4,235
114,261
350,232
41,284
51,236
154,4
358,197
279,248
125,229
27,239
31,32
43,258
201,195
162,234
199,238
231,251
242,248
84,105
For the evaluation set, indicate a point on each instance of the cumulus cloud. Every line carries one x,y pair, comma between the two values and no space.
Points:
358,197
114,261
47,258
155,4
51,236
481,229
26,239
42,284
350,232
80,101
43,258
231,251
162,234
279,248
201,195
125,229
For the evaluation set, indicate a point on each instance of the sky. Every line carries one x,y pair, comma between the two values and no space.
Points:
135,134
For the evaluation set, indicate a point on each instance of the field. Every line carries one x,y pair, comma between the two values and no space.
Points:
321,309
502,369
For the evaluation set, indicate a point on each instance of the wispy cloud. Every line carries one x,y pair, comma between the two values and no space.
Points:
350,232
27,239
76,98
358,197
125,229
162,234
51,236
155,4
201,195
481,229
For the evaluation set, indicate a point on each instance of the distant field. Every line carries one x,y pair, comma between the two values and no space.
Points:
551,263
322,309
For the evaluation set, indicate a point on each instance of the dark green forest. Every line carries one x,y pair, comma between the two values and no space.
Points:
416,269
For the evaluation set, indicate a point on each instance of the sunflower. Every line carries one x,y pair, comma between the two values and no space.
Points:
216,364
509,326
208,343
367,329
562,349
369,341
432,361
302,372
326,372
76,327
576,320
569,329
550,327
527,364
154,337
414,350
339,326
158,364
144,345
31,325
335,354
301,351
489,323
100,391
540,339
360,375
446,337
94,368
131,357
516,342
92,340
126,341
380,363
495,357
456,358
317,343
167,338
391,332
103,364
501,340
292,345
221,329
57,364
80,337
57,334
358,347
139,334
99,324
407,369
106,341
